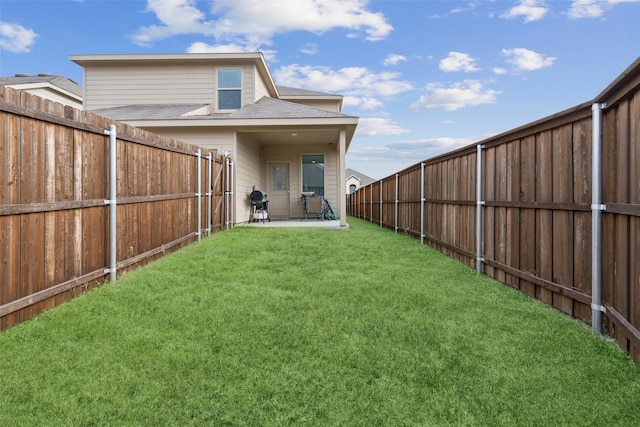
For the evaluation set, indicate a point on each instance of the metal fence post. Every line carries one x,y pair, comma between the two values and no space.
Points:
232,209
371,203
112,202
396,206
479,204
422,203
596,219
209,192
198,193
381,203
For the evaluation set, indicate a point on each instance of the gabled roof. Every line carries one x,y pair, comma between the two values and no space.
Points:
265,108
29,82
364,179
286,91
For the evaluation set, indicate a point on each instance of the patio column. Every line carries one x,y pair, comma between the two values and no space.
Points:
342,179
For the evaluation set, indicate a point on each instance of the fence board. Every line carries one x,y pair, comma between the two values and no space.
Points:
536,185
54,181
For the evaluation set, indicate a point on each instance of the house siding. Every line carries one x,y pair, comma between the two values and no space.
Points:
127,84
208,138
54,96
260,87
328,105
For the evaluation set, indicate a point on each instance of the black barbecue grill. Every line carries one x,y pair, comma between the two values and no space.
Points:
259,203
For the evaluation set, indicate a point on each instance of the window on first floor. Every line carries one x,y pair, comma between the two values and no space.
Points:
229,88
313,173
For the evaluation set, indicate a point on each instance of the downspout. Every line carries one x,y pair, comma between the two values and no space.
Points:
112,202
596,219
479,204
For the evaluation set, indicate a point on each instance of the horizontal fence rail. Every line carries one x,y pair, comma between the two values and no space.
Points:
82,197
518,207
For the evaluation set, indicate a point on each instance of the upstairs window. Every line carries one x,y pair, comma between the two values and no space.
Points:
229,88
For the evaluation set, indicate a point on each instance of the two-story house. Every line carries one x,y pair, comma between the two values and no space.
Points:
283,141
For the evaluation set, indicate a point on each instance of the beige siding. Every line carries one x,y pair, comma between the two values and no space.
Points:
247,174
261,87
129,84
324,104
209,138
248,85
55,96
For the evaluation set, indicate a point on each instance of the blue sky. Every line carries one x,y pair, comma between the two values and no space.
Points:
424,76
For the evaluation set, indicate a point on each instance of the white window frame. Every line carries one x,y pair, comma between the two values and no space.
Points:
324,170
218,89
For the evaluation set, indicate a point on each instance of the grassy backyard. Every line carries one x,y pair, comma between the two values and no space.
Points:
357,327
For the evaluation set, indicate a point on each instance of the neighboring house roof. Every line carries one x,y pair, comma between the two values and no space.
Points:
41,80
292,91
364,179
265,108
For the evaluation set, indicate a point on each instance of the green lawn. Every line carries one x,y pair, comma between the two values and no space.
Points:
357,327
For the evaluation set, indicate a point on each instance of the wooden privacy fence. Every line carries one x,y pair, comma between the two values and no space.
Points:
551,208
57,237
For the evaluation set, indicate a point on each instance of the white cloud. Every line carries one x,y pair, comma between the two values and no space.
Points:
377,126
309,49
394,59
472,5
16,38
360,86
256,22
527,60
499,70
457,61
177,17
363,103
585,9
405,152
593,8
532,10
464,94
200,47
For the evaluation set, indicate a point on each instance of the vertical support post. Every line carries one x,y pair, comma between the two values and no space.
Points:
381,203
396,206
596,219
226,192
479,204
198,194
422,203
342,178
371,203
231,201
113,196
209,192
